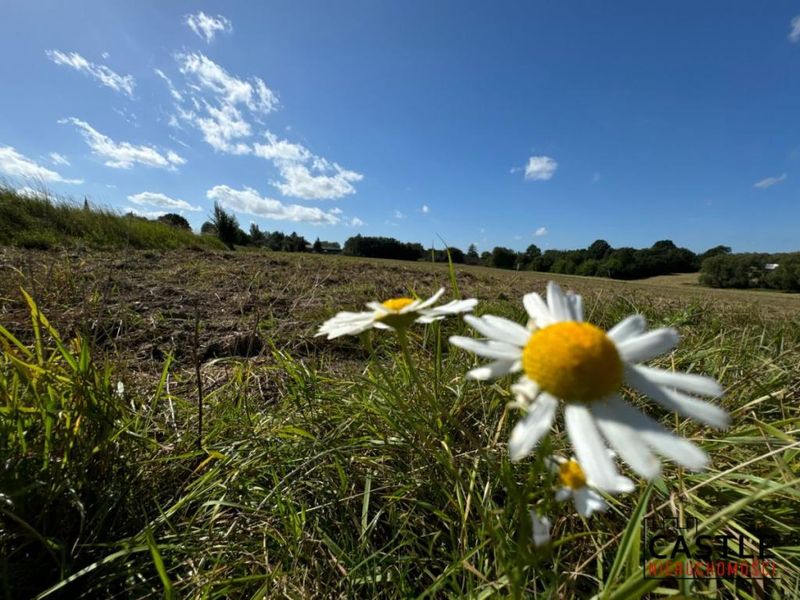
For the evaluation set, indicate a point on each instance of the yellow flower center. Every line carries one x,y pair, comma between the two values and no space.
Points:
571,474
573,361
397,304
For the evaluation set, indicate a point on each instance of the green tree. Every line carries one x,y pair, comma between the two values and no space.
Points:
175,221
227,226
317,246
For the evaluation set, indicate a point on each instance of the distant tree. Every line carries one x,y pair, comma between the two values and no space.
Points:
598,249
715,251
664,245
787,276
208,228
486,258
317,246
175,221
257,237
472,257
503,258
528,258
227,226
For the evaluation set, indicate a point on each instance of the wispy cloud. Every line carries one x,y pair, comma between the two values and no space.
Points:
249,201
14,164
207,26
322,181
541,231
161,200
425,209
356,222
59,159
104,75
769,181
278,149
540,168
399,215
794,34
176,95
124,155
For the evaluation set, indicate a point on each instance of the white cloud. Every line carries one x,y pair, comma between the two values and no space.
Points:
540,232
123,155
106,77
211,77
222,127
14,164
336,211
425,209
794,34
29,192
277,149
207,26
59,159
769,181
176,95
540,168
249,201
356,222
328,180
162,200
147,214
399,215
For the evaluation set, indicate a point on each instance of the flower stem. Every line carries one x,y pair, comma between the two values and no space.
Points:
403,340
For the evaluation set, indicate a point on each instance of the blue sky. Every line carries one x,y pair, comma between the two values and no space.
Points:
503,123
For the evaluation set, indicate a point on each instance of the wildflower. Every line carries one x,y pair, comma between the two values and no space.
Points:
577,485
540,526
564,358
393,314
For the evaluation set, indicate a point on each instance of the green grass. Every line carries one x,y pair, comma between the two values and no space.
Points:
325,472
41,222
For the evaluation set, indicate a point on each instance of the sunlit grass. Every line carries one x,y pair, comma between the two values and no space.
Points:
323,478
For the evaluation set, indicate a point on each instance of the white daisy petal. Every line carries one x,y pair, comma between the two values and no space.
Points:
537,310
488,349
378,307
562,494
529,430
493,370
648,345
628,327
702,411
625,440
427,302
540,527
623,485
587,501
526,388
498,328
687,382
576,306
658,437
558,303
589,447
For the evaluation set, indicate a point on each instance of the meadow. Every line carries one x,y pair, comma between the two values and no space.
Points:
170,427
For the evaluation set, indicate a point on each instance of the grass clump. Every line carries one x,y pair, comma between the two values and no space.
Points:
41,222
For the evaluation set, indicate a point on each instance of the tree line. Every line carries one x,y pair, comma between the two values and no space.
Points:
753,270
718,266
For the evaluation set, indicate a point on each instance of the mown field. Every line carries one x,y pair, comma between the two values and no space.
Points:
323,471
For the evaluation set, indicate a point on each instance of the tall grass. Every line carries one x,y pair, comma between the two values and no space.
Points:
320,481
43,222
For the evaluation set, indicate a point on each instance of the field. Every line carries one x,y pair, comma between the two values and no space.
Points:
323,469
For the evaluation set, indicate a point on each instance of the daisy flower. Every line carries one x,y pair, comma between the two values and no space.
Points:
562,358
577,485
392,314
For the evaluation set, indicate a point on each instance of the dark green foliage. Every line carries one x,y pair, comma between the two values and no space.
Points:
456,255
208,228
382,247
752,271
317,246
227,226
41,222
503,258
715,251
175,220
472,257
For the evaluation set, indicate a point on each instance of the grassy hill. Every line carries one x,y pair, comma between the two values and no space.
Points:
43,222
